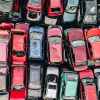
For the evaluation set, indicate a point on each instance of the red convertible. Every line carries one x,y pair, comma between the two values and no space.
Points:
55,7
88,87
19,42
77,47
55,51
93,39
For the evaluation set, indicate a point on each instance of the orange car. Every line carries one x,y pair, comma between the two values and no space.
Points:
93,38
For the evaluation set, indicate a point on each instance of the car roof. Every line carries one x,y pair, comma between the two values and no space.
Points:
55,3
75,34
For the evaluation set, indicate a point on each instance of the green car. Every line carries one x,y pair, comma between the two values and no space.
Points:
69,86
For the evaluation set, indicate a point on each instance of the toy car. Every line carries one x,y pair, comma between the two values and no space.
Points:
70,10
51,83
18,77
19,42
16,11
36,49
88,86
5,8
69,86
90,16
97,75
34,10
34,84
77,45
93,40
55,8
55,51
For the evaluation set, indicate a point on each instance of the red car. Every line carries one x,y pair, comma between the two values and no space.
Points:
18,94
6,26
77,47
18,77
55,7
19,43
55,51
88,87
93,39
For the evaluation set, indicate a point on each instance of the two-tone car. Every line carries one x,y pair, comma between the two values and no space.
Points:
69,85
90,16
54,45
93,43
36,45
35,81
19,43
77,48
88,86
51,83
34,10
70,11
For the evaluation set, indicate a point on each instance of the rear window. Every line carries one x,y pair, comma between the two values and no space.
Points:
78,43
34,1
54,40
32,15
52,78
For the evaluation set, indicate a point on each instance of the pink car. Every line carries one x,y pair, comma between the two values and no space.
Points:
55,51
18,77
77,47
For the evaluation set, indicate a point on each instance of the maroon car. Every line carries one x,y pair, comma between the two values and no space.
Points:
77,45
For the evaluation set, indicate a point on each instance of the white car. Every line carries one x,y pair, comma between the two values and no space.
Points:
51,83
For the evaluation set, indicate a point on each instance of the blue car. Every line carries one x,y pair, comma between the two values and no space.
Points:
36,50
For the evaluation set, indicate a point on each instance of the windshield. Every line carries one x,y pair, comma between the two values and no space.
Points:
94,39
52,78
34,1
54,40
78,43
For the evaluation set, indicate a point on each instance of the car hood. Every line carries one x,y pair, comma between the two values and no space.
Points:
80,54
96,50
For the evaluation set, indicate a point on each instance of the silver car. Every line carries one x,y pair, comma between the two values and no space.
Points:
51,83
34,84
4,96
90,16
5,7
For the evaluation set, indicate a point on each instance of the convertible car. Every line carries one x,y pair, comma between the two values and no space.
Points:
88,86
34,10
69,86
36,48
77,47
51,83
93,40
55,48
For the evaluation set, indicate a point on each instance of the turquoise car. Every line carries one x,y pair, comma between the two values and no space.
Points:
69,86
